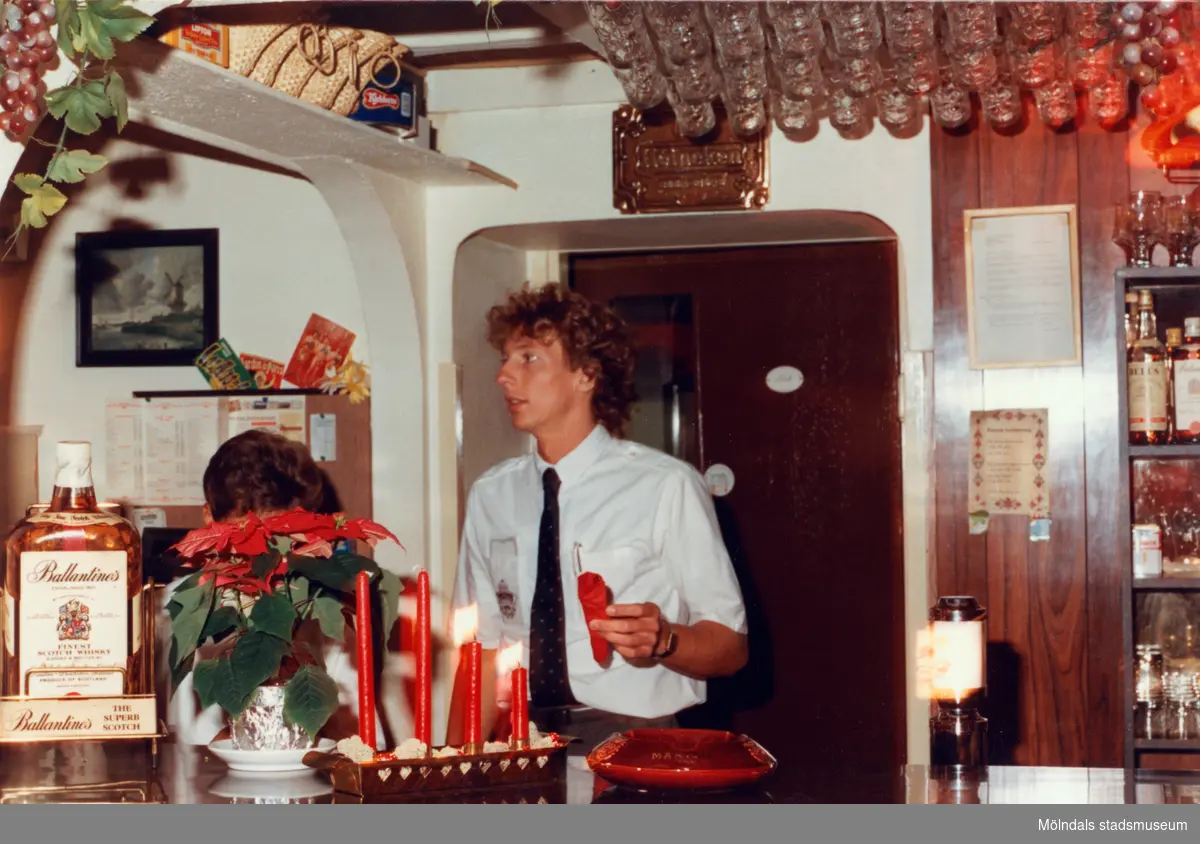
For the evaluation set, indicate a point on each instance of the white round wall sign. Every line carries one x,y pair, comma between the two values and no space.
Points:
720,479
785,379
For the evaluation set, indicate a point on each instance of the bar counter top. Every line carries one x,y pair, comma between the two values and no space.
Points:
90,772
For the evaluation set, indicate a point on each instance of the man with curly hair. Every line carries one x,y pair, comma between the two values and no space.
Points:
590,501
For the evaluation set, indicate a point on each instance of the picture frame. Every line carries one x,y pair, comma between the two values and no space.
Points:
146,298
1024,307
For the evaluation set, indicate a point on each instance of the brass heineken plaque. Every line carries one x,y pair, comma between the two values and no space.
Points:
655,170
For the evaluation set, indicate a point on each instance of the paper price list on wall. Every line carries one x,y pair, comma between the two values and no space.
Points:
156,451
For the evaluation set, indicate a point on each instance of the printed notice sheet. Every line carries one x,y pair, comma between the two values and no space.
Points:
157,450
1023,293
1009,470
277,415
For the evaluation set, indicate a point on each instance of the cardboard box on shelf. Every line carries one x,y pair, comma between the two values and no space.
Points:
207,41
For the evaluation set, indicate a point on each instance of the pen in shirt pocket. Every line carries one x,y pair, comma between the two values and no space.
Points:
576,552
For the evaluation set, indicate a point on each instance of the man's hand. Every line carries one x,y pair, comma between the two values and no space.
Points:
636,631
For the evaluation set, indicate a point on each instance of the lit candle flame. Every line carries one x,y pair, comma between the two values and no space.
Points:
509,658
465,624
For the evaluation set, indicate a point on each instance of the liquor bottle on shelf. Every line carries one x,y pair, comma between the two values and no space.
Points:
1174,341
1131,305
1147,373
1185,399
72,590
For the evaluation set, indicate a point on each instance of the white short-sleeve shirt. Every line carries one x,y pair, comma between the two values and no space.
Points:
642,520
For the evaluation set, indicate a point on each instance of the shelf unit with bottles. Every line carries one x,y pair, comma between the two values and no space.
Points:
1176,296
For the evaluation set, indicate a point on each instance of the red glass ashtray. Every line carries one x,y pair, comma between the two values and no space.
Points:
669,759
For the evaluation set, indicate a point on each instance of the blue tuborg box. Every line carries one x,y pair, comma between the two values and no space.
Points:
393,101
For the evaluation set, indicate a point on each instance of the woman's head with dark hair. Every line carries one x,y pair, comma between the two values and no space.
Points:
263,473
560,349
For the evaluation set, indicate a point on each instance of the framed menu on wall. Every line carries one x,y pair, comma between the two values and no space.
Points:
1023,300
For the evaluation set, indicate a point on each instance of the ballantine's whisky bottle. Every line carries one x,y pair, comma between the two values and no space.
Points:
72,591
1147,374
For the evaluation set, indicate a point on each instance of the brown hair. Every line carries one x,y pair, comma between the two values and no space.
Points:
262,472
594,338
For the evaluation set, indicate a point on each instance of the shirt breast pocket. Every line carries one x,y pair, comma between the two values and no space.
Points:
505,569
623,567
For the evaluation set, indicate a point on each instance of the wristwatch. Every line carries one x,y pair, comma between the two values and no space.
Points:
670,646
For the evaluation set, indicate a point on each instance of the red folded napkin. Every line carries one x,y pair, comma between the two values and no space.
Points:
593,596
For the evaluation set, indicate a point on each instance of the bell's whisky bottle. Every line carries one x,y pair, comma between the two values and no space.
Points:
72,591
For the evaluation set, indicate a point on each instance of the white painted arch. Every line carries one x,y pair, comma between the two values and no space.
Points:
496,259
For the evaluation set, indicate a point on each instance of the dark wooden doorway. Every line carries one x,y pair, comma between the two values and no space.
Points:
813,520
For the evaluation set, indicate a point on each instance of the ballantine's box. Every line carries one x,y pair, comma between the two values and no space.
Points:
391,99
41,719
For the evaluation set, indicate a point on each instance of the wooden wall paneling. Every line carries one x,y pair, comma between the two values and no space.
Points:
1103,181
1037,591
959,558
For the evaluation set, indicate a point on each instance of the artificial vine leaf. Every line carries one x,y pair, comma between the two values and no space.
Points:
73,165
327,610
273,615
105,21
115,90
68,25
256,658
42,200
83,107
310,699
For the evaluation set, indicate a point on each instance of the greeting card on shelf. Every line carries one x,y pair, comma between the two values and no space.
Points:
323,348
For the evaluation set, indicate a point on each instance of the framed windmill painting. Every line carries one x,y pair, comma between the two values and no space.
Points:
145,298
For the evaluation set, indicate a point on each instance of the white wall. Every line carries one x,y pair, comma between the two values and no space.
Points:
281,258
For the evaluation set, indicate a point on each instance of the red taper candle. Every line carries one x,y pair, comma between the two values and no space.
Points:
366,660
423,710
472,662
520,704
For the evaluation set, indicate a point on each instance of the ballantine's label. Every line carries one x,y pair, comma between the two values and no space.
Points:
72,613
77,718
73,519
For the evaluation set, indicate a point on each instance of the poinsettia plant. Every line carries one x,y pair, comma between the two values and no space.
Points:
264,591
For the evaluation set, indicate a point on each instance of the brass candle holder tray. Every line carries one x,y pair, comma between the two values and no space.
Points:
386,778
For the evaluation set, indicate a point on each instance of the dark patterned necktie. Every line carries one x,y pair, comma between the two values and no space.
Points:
548,681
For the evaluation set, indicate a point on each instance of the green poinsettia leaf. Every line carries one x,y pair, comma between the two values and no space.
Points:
180,668
118,99
220,624
327,610
68,25
226,689
281,544
310,699
202,680
73,165
273,615
327,572
188,623
82,107
390,589
263,564
298,586
104,21
256,658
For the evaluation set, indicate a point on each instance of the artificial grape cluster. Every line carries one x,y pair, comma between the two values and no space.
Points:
29,49
1151,35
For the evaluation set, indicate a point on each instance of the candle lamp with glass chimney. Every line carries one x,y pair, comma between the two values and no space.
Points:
958,732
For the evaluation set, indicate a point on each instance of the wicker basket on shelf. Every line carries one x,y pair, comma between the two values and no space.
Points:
323,65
